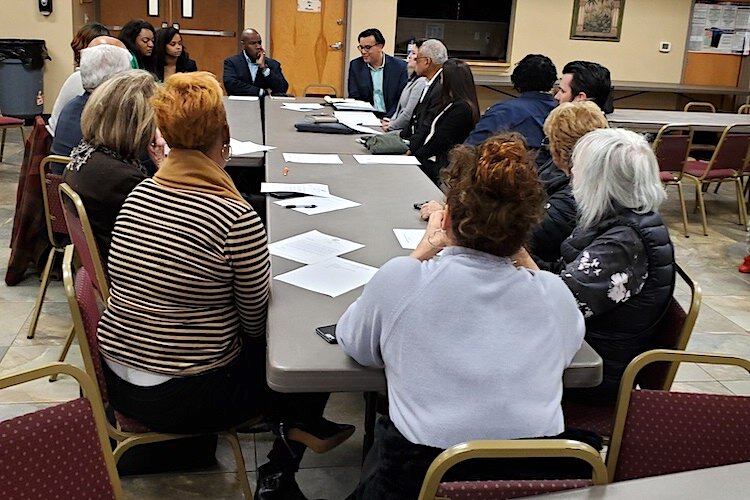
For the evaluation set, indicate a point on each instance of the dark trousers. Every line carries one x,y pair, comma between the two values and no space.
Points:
395,467
219,400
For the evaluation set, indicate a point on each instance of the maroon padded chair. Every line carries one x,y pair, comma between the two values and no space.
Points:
57,233
672,147
60,451
674,333
86,309
501,490
6,123
727,164
82,237
433,488
662,432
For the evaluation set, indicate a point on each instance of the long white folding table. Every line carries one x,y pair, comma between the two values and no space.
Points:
652,119
299,360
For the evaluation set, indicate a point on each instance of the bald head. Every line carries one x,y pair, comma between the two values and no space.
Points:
106,40
252,44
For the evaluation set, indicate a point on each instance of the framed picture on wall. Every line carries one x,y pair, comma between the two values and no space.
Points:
597,20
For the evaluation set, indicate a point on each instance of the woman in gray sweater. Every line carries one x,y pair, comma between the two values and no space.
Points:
466,353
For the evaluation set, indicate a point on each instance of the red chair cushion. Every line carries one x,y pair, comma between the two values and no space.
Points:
9,120
53,453
497,490
698,168
666,176
667,432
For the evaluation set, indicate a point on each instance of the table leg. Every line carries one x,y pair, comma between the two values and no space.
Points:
371,403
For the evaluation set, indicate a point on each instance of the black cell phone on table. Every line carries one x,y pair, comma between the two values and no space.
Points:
327,333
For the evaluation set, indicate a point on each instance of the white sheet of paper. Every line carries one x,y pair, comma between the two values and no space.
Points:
361,121
311,247
409,238
366,118
322,204
349,105
284,187
329,159
332,277
301,106
282,98
386,160
240,148
243,97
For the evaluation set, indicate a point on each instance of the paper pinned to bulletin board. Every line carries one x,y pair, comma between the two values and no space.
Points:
308,5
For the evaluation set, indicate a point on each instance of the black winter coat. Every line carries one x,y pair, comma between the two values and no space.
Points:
559,217
622,275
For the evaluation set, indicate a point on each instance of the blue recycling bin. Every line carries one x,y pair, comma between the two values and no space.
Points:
21,78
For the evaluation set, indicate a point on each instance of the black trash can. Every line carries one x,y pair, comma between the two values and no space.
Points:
21,79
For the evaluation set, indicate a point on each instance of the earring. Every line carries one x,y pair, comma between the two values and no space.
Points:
226,152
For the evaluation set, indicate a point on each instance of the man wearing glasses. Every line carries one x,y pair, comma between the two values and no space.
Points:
251,72
376,77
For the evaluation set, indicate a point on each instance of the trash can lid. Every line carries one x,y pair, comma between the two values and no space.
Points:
31,52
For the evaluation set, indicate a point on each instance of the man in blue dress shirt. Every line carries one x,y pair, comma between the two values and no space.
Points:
251,72
376,77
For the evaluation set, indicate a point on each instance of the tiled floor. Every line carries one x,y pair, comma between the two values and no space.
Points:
723,326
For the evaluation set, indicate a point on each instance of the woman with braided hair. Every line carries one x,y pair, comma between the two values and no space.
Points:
466,353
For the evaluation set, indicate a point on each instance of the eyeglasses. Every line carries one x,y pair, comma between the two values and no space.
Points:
422,57
367,48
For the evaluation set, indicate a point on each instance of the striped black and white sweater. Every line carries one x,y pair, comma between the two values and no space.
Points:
190,273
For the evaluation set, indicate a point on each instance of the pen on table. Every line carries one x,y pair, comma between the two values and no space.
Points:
300,206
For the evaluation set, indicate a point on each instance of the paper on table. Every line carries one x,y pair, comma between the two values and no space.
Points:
332,159
366,118
243,98
359,121
301,106
322,204
240,148
386,160
332,277
409,238
311,247
353,105
282,97
283,187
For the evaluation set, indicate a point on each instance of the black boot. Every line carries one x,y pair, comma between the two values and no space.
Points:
274,484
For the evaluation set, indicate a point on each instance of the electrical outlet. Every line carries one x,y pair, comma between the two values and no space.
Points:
476,35
665,47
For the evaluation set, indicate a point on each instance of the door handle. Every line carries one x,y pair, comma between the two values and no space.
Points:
336,46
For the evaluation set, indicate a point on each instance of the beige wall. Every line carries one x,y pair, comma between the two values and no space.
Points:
21,19
635,57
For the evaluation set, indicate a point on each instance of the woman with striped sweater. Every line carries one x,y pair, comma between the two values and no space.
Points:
183,336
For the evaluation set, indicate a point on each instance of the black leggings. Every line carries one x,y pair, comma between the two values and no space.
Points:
219,400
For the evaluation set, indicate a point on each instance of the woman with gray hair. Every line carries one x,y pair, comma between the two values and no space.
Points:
619,260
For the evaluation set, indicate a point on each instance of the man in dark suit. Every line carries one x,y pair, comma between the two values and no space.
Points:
431,55
252,73
376,77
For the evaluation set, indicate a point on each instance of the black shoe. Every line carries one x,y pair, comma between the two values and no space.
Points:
320,435
276,485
